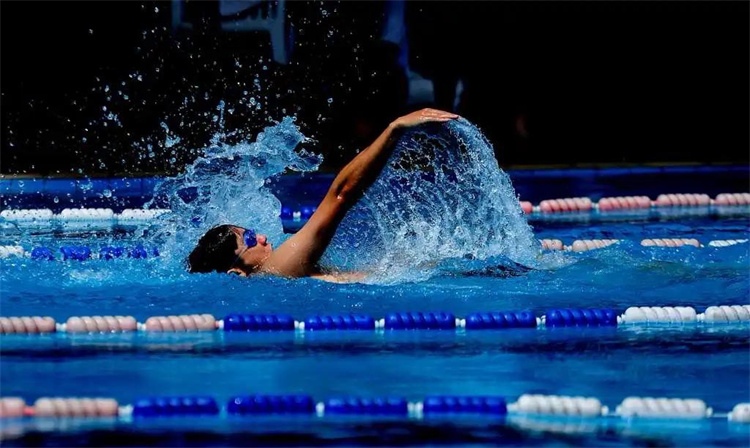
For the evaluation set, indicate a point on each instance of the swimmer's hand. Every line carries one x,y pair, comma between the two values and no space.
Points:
423,116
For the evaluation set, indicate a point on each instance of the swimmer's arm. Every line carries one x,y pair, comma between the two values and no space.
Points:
361,172
299,255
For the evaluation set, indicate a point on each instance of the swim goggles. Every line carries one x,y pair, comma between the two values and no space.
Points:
250,241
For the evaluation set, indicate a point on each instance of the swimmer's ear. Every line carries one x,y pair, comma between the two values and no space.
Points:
237,271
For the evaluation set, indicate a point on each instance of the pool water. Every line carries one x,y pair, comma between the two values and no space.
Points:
711,363
432,229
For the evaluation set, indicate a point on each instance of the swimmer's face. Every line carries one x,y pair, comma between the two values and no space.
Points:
249,259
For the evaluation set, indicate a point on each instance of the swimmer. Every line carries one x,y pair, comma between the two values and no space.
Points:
236,250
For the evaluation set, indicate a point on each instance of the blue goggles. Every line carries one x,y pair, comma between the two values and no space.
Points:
250,241
249,237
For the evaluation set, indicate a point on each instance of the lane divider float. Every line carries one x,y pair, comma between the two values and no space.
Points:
593,244
437,405
554,318
106,216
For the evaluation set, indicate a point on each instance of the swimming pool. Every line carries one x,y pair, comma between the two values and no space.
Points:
690,361
598,358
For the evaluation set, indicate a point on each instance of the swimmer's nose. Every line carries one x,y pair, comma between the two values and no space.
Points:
262,239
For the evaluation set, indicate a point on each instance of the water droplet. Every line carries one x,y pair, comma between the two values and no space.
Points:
330,100
106,193
56,200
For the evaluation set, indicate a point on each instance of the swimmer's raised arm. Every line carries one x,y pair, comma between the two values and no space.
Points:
299,255
362,171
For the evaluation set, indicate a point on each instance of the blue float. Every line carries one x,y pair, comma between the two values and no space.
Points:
42,253
258,322
367,406
499,320
577,317
111,252
344,322
174,406
139,252
464,405
271,404
420,321
79,253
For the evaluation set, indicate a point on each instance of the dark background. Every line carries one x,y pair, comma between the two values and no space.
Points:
570,83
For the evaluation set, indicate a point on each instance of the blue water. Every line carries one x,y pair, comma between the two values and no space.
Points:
710,363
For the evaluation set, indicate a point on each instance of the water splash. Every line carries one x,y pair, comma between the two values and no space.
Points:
441,196
228,185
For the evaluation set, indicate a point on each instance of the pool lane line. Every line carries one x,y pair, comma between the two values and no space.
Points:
390,407
438,321
107,217
593,244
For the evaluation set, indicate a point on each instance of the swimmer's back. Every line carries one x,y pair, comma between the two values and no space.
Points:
340,277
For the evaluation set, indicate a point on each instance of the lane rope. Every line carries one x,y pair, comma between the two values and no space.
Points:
77,217
447,405
555,318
